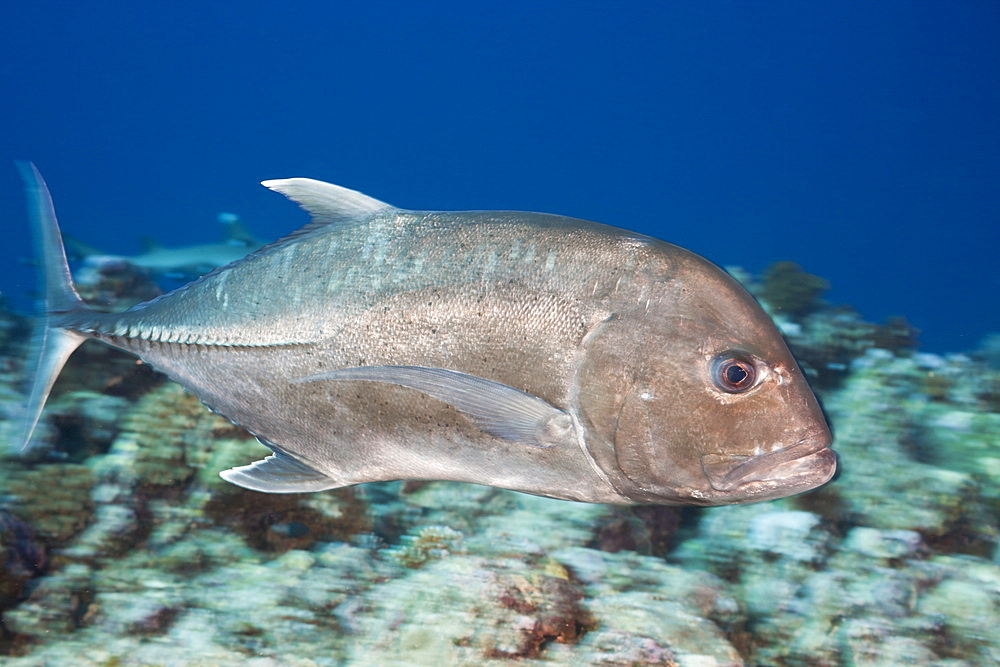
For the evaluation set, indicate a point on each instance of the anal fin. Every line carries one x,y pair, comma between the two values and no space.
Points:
279,473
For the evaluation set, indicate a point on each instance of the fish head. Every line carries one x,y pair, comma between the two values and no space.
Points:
696,399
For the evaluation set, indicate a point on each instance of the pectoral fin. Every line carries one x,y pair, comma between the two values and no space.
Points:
279,473
496,408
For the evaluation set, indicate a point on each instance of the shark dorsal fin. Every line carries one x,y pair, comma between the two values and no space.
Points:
327,202
236,232
149,245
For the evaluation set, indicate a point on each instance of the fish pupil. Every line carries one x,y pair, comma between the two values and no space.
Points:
734,374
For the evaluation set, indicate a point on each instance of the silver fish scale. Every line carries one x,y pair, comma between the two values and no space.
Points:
284,297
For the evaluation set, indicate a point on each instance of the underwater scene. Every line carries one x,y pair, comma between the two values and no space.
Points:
838,161
123,546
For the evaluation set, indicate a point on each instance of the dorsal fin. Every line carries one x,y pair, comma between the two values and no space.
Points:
149,244
236,232
327,202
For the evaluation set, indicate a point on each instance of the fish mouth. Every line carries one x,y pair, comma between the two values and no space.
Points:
799,467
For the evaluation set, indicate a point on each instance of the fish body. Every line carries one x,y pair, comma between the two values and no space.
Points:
526,351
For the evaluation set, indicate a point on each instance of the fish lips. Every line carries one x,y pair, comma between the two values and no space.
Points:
800,467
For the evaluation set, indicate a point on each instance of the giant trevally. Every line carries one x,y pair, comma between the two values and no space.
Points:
526,351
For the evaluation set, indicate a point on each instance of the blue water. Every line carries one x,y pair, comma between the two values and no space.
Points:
860,139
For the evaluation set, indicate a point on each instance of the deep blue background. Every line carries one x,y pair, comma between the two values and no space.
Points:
858,139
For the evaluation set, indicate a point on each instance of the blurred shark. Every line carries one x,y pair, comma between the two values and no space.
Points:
181,263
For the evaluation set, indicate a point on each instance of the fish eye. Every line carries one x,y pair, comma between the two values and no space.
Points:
733,373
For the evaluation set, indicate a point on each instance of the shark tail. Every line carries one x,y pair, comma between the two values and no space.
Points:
51,344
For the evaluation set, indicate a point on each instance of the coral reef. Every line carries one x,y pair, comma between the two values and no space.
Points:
121,545
54,499
787,288
468,611
22,557
115,285
431,543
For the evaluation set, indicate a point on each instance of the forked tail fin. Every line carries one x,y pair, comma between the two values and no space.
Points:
51,344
